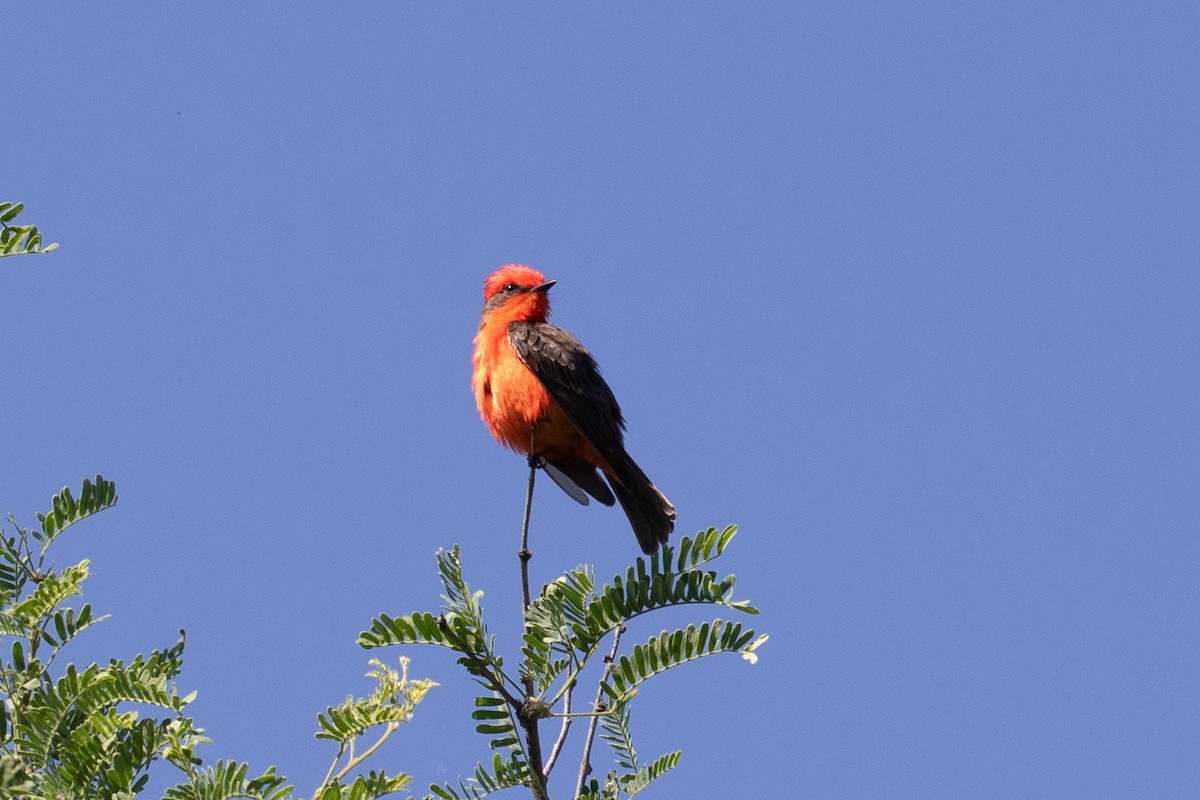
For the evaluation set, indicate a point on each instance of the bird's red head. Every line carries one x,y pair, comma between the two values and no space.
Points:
516,293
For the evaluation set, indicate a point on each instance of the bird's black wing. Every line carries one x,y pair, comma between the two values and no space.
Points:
570,375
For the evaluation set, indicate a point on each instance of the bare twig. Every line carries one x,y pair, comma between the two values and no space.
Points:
355,760
524,554
566,723
527,714
598,707
332,767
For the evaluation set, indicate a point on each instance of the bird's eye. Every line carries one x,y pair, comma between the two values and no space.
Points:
510,287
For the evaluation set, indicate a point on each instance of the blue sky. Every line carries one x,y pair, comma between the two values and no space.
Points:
908,292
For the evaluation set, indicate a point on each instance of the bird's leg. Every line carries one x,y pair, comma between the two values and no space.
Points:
535,458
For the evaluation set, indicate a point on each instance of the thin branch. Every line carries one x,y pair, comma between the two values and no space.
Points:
566,724
354,761
580,665
598,707
527,714
329,775
524,554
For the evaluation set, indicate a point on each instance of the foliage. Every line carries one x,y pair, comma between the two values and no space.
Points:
17,240
564,629
71,732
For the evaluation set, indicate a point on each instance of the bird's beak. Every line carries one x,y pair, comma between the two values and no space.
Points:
544,287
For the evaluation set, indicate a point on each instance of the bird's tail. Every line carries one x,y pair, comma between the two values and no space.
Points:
650,513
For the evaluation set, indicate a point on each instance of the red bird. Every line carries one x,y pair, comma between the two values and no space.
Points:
534,378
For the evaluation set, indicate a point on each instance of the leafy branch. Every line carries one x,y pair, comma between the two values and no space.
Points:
388,707
563,628
72,733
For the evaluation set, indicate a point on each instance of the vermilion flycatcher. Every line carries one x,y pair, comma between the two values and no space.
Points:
534,381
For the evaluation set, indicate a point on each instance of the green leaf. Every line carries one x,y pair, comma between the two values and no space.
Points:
571,614
614,729
460,628
10,213
392,703
67,625
489,708
463,610
50,593
56,710
15,780
611,790
416,628
375,784
22,240
227,779
11,238
669,650
66,510
497,720
647,775
502,775
671,578
19,239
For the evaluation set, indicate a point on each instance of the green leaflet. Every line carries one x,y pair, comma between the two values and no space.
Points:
19,239
670,649
375,784
66,510
572,616
81,700
227,779
496,721
648,774
486,780
50,593
392,703
15,780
